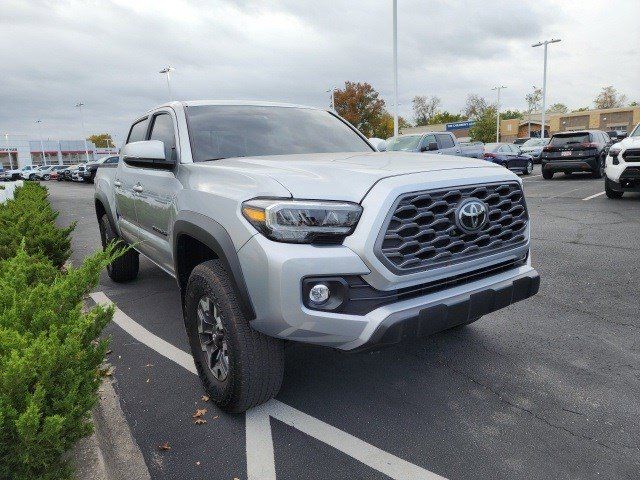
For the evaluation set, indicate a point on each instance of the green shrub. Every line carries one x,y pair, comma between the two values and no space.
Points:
49,362
29,217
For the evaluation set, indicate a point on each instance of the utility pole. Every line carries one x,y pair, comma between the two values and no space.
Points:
544,81
395,68
44,158
333,97
167,71
498,88
6,139
79,105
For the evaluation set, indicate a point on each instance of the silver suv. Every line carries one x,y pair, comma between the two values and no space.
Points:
281,222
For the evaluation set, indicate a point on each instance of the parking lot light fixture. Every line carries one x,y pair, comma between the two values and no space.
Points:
44,158
79,105
544,81
167,71
498,88
395,68
6,139
333,97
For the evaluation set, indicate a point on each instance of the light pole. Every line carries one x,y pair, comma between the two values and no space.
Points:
395,68
79,105
498,88
167,70
544,81
6,139
333,97
44,158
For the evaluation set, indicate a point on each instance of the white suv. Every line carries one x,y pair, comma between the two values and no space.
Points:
623,166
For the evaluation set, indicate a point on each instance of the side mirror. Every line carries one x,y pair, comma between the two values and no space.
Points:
379,144
146,154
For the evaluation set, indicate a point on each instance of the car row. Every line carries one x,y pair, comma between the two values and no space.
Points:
84,172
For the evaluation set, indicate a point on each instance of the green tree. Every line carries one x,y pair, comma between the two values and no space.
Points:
385,128
633,104
581,109
509,114
361,105
484,128
609,97
533,100
446,117
558,108
101,140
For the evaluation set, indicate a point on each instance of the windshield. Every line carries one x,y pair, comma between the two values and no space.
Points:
569,139
636,131
533,142
225,131
404,143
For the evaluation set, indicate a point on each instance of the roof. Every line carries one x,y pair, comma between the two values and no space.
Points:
253,103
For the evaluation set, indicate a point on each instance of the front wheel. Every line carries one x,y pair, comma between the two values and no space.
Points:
32,176
611,193
125,267
547,174
239,367
46,177
529,168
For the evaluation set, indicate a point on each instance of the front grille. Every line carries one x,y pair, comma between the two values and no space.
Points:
421,231
631,155
631,173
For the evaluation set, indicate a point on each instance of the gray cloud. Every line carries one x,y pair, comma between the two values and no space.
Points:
108,53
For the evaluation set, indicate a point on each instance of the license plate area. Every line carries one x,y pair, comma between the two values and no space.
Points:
565,153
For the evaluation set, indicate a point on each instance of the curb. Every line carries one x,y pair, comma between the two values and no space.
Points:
110,453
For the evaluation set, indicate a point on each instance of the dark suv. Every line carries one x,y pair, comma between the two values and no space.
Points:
580,151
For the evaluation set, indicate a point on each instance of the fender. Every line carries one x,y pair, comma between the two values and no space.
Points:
216,238
101,196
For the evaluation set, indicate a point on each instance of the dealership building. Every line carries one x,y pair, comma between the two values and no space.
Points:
624,119
18,153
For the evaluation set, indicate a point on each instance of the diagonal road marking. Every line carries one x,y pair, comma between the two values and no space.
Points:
594,196
259,440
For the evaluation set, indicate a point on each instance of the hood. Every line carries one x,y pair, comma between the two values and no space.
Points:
629,142
344,176
531,149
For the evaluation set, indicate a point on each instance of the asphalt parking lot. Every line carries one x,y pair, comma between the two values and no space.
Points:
547,388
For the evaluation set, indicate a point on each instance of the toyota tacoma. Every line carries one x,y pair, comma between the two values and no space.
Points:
282,223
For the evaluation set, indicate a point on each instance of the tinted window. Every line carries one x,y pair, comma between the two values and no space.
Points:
163,130
221,131
635,132
445,141
429,139
566,139
138,131
111,160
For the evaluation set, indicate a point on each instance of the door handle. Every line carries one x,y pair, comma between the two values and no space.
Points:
117,184
138,188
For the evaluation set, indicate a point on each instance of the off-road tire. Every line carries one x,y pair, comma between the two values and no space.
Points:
256,361
125,267
611,193
547,174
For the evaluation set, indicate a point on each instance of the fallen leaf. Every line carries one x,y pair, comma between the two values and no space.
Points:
199,413
199,421
107,372
216,417
205,398
108,352
165,446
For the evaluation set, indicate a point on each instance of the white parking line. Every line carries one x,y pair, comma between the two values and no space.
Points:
259,441
594,196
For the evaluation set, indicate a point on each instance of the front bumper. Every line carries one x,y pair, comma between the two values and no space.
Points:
274,276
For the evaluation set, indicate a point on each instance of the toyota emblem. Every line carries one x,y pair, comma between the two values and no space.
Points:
471,215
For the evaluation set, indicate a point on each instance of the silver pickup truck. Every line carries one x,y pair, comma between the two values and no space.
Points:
440,143
282,223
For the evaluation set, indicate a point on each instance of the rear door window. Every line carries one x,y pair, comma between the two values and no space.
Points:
138,131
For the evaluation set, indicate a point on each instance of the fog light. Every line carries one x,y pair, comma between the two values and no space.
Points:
319,293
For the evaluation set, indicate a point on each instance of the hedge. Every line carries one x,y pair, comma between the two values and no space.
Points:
29,217
49,358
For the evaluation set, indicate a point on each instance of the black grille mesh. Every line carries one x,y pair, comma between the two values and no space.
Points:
422,232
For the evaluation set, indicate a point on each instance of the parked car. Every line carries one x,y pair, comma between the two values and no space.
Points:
579,151
623,166
67,173
617,135
442,143
45,173
521,141
282,222
17,174
90,169
509,156
533,147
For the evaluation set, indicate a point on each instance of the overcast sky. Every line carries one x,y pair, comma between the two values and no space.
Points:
107,54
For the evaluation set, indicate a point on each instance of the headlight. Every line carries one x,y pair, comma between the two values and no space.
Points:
613,152
301,221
